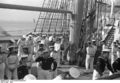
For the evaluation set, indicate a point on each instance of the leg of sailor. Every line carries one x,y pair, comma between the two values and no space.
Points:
2,70
15,75
91,63
87,62
9,73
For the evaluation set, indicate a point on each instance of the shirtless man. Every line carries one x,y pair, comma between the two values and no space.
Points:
11,64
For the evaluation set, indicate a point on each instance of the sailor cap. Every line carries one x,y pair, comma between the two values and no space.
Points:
106,50
74,72
29,77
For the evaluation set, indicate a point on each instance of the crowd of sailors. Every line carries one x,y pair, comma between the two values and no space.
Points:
37,56
105,56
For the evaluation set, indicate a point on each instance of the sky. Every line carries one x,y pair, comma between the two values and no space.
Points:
18,22
19,15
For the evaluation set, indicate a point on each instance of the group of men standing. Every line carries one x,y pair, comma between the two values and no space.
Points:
98,58
41,55
37,54
99,55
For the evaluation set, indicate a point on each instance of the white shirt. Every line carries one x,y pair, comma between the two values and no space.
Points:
54,55
57,46
91,50
43,41
24,55
50,38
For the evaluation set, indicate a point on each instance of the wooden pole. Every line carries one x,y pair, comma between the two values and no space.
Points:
76,23
112,8
31,8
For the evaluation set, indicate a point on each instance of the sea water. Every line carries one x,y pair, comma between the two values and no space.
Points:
17,28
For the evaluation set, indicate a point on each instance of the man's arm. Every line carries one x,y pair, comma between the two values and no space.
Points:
18,42
53,65
87,50
109,67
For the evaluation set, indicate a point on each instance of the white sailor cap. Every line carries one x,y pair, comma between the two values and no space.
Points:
24,36
118,46
106,50
30,35
93,40
51,46
74,72
29,77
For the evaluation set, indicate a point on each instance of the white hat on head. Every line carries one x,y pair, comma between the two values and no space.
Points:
29,77
30,35
93,40
74,72
118,46
24,36
42,42
51,46
105,50
50,38
43,35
